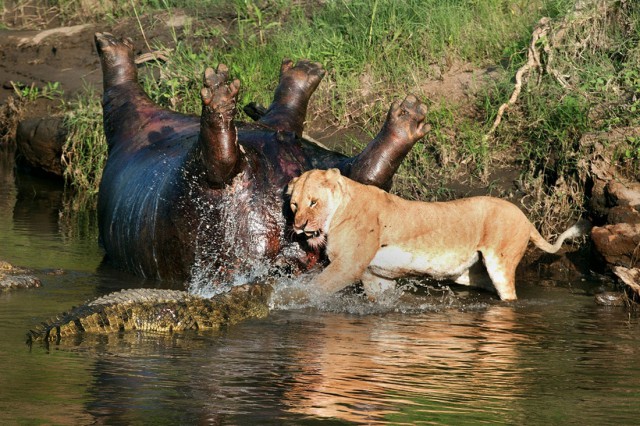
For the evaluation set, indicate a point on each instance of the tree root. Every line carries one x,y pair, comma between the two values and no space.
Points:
551,37
533,62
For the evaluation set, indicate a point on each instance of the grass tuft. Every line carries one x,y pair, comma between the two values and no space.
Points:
84,153
588,85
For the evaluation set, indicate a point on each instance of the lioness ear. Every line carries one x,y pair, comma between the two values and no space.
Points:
334,176
291,184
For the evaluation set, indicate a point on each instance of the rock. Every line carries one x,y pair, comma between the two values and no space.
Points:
39,143
629,276
617,243
623,193
623,214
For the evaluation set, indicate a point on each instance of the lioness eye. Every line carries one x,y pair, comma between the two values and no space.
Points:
313,203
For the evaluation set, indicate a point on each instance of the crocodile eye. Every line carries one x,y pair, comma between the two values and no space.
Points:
294,207
313,203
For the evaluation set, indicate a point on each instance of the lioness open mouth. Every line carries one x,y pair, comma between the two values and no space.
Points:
312,234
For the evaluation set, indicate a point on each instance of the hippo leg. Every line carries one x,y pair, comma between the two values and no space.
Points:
379,161
129,114
116,55
218,141
288,110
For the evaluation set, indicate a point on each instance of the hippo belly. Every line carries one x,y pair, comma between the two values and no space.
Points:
139,197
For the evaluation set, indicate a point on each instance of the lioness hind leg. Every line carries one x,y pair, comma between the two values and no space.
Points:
475,276
375,286
503,276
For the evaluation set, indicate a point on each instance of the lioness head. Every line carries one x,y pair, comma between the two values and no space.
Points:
315,197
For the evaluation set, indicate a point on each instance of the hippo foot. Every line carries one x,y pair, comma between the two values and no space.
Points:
405,121
219,98
305,75
114,50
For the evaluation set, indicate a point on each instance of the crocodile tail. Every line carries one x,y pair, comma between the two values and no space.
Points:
156,310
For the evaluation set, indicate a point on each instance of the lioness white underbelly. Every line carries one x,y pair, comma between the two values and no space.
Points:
395,262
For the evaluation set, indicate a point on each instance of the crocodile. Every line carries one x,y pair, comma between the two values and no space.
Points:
156,310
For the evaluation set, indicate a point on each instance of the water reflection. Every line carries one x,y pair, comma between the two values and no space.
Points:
7,179
37,229
495,364
361,371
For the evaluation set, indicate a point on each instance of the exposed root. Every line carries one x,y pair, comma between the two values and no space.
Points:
562,42
156,55
533,62
11,113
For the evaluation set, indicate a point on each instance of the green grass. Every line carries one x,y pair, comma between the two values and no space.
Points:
550,124
374,51
391,44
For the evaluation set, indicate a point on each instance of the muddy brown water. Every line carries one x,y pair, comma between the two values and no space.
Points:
554,357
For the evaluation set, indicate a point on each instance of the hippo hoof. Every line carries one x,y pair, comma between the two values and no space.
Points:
216,93
107,42
305,74
406,118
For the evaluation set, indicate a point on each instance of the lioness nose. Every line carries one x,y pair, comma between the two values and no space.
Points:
299,228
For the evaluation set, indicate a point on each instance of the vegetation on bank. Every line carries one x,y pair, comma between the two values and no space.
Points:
374,52
587,81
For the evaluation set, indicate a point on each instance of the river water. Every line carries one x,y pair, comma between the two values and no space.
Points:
553,357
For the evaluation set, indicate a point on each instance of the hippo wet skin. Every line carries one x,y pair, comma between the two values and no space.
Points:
181,192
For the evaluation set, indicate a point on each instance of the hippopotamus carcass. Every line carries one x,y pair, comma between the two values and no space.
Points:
182,194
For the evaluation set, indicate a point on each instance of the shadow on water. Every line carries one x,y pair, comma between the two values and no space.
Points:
432,355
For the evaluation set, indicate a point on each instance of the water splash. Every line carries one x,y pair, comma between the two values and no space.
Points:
231,240
410,296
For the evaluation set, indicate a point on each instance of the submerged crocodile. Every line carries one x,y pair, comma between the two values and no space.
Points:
12,277
157,310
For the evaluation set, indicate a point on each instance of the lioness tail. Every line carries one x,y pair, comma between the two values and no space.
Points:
579,229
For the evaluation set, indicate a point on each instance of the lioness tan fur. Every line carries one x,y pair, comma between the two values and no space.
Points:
376,237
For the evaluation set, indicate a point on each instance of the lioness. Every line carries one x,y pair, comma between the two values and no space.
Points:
376,237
